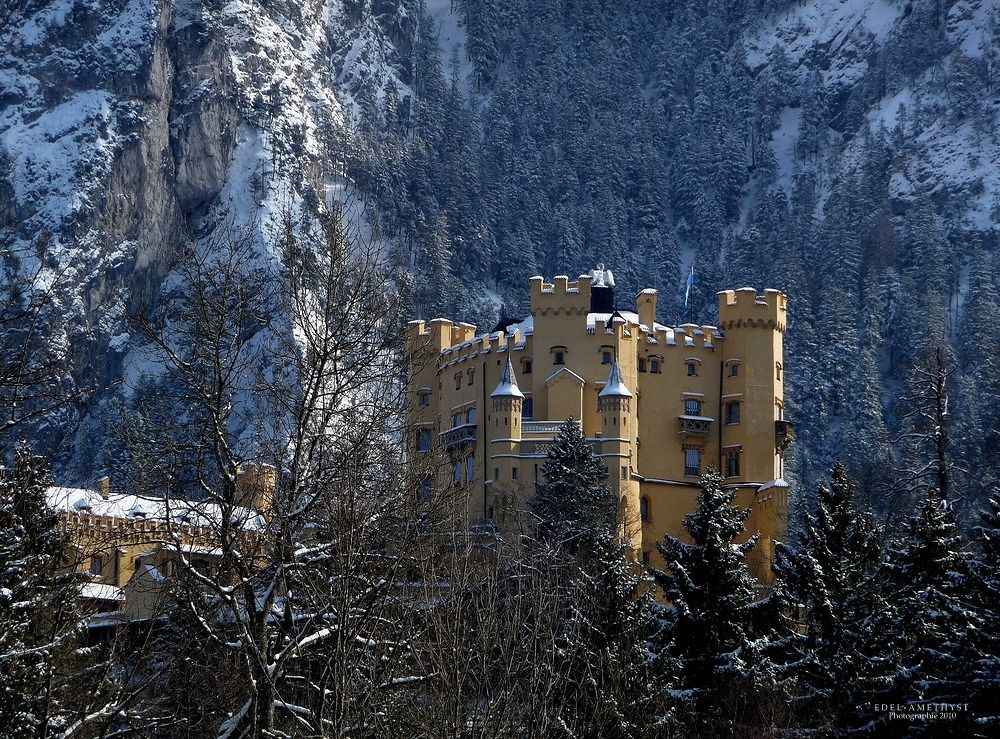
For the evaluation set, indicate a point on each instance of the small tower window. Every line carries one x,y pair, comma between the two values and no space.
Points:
470,416
470,468
424,398
734,370
560,358
692,369
777,370
528,408
456,420
423,440
526,367
513,473
733,412
496,473
96,565
733,462
471,374
644,509
642,364
424,492
458,380
654,366
692,407
692,461
605,357
624,471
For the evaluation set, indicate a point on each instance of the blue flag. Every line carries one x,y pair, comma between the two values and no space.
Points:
688,287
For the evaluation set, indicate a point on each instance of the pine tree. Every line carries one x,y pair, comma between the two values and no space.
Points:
37,615
828,586
935,625
604,685
573,501
706,644
985,698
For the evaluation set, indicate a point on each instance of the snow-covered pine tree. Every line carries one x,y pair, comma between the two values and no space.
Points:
604,688
37,604
572,502
985,697
831,653
935,621
705,645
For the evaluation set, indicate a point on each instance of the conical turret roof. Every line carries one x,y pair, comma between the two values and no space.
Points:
615,387
507,387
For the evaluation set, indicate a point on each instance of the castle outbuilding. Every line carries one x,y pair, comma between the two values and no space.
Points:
660,404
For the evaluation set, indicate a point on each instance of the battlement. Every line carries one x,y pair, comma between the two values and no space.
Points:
561,296
747,308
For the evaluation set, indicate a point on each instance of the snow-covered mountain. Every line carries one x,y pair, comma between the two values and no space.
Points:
844,150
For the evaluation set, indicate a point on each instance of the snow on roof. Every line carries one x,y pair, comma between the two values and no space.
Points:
507,387
615,387
136,507
101,591
777,483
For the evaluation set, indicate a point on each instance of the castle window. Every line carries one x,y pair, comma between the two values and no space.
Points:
777,370
692,407
733,462
471,374
423,440
526,367
470,468
692,461
424,398
734,370
424,492
560,358
513,473
458,380
96,565
692,369
456,420
528,408
457,477
642,364
496,473
733,412
489,514
644,510
779,412
624,471
654,366
470,416
606,356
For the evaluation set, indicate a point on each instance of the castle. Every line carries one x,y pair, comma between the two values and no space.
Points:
659,404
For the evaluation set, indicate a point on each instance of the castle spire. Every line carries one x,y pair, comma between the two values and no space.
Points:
507,387
615,387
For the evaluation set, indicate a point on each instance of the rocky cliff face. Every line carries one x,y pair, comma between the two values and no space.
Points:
130,129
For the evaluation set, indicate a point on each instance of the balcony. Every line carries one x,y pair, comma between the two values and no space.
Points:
550,428
695,426
784,435
459,435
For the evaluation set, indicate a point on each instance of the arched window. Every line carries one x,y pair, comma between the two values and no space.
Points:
733,412
777,370
644,509
423,440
